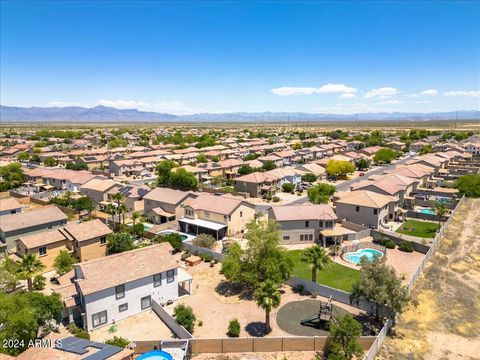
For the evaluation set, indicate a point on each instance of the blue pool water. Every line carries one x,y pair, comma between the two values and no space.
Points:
155,355
427,211
355,257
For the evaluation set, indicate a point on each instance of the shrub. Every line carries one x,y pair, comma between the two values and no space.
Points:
234,328
38,283
299,288
390,244
78,332
206,257
118,341
288,187
406,246
184,316
174,239
185,256
309,177
204,241
275,199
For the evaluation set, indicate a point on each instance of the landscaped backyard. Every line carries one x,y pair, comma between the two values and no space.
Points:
334,275
417,228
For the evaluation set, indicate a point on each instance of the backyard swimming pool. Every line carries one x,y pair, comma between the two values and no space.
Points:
427,211
355,257
156,355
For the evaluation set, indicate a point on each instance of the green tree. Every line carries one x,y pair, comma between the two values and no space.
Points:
249,157
184,316
9,278
385,156
119,242
50,161
268,298
269,165
28,267
118,341
288,187
264,259
362,164
164,169
469,185
343,344
426,149
321,193
112,211
202,158
339,168
380,284
11,176
309,177
173,239
76,166
233,328
63,263
204,240
39,282
23,314
183,179
245,170
23,156
441,211
297,146
317,258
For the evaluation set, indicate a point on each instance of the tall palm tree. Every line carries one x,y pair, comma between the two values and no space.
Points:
119,199
29,267
267,297
317,258
122,209
111,210
441,211
135,216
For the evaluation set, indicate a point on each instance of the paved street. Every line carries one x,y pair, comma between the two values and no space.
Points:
345,186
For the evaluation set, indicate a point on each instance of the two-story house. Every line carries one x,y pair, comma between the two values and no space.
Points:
217,215
115,287
303,223
162,205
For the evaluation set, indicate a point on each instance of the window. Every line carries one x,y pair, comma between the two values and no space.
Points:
206,214
157,280
123,307
42,251
310,237
146,302
375,211
328,224
301,237
103,240
357,208
99,318
170,276
241,213
320,223
119,292
307,224
286,237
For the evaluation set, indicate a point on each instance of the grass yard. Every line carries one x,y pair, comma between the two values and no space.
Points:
334,275
418,228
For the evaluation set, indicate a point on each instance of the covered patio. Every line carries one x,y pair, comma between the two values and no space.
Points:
199,226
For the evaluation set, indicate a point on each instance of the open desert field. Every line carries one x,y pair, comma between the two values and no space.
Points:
446,322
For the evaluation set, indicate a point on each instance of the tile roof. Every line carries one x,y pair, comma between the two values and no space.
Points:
365,198
9,204
31,218
107,272
86,230
224,204
166,195
303,212
42,239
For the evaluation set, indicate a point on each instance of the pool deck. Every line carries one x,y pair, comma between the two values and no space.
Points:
405,264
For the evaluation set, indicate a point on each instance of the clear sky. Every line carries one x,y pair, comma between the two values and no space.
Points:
186,57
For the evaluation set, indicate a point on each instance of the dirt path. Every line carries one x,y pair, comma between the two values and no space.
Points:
446,322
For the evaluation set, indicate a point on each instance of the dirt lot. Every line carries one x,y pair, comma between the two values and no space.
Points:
215,306
446,322
284,355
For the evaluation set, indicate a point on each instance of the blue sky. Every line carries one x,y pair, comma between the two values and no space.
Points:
186,57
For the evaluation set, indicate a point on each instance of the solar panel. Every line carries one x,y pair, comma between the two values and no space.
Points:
80,346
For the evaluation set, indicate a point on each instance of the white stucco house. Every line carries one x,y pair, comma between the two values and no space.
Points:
117,286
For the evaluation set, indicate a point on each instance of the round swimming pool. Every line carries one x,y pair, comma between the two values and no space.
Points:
155,355
355,257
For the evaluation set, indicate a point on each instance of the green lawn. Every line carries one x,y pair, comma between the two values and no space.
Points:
418,228
334,275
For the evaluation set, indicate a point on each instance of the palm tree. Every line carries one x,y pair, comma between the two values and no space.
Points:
122,209
111,210
441,210
317,258
119,198
135,216
29,267
267,297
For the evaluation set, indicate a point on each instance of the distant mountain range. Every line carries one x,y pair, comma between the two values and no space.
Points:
108,114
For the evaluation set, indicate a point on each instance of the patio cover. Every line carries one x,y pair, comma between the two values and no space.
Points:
203,223
161,212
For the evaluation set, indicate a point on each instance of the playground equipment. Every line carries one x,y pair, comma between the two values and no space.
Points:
324,315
